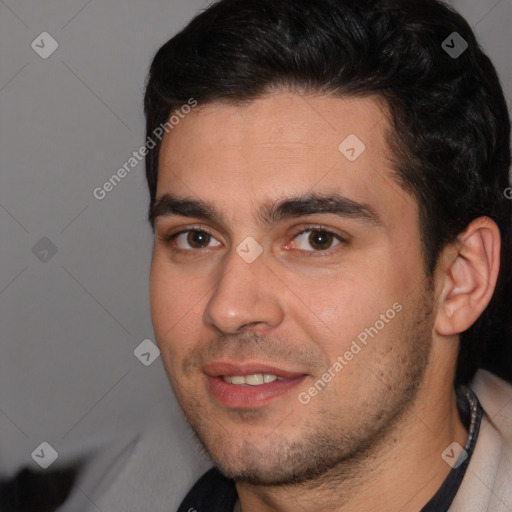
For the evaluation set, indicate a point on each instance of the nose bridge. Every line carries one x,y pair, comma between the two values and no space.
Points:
242,295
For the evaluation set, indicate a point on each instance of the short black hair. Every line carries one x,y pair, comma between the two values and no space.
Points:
450,135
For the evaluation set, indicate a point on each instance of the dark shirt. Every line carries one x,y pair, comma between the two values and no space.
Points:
38,491
213,492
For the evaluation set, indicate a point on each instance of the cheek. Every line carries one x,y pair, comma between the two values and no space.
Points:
340,307
174,307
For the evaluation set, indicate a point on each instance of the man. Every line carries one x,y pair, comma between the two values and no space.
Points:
332,255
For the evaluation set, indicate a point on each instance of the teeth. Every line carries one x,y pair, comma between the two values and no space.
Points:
254,380
251,380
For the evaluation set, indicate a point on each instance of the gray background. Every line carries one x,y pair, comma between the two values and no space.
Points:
69,325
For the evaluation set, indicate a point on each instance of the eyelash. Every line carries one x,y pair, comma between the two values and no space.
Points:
169,240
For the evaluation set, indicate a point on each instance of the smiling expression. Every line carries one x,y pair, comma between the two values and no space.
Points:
335,243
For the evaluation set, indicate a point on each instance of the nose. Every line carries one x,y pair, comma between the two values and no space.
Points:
245,294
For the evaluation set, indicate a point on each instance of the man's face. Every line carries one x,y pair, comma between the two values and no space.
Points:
257,293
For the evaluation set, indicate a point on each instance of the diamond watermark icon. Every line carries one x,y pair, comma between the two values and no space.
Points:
45,455
249,250
454,455
454,45
352,147
44,45
44,249
147,352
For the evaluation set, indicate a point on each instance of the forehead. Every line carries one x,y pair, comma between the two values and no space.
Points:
281,123
281,144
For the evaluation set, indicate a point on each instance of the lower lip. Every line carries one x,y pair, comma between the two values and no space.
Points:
251,397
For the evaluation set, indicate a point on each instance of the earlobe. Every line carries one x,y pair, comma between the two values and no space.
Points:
467,275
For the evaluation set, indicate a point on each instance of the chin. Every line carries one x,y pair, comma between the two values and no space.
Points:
275,473
260,462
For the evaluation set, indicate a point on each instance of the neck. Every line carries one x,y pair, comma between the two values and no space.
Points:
402,473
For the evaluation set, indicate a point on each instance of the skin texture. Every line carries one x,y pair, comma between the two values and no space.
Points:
372,438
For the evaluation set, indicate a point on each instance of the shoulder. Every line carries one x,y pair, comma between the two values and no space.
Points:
487,483
495,395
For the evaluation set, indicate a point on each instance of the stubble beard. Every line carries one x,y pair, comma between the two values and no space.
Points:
325,451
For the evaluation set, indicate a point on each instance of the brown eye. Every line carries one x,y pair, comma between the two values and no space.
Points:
191,239
319,240
198,239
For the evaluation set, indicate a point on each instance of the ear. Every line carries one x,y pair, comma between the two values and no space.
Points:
466,276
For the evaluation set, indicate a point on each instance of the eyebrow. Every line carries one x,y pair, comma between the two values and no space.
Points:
271,212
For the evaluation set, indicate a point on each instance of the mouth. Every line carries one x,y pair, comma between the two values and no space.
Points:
249,386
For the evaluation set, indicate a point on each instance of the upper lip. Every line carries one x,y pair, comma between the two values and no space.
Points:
223,368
